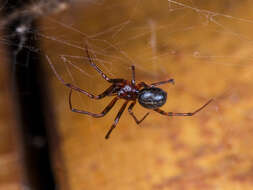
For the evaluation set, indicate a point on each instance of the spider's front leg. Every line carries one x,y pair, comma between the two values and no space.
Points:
71,86
182,114
133,74
96,115
130,110
91,62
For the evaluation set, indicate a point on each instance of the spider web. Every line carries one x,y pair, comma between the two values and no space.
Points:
202,45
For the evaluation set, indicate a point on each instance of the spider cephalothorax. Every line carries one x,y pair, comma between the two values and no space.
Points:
148,96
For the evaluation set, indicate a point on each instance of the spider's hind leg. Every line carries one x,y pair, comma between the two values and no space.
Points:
163,82
130,110
182,114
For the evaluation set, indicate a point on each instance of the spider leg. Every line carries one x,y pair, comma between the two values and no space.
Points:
132,114
99,70
96,115
107,92
123,107
133,74
71,86
95,66
163,82
182,114
142,84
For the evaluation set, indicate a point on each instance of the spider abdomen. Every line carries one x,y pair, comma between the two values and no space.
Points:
152,97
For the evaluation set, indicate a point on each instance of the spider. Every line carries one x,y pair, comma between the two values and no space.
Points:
148,95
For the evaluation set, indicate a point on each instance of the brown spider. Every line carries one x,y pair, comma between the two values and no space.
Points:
149,96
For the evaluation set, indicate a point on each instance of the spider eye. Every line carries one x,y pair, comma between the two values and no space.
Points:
152,98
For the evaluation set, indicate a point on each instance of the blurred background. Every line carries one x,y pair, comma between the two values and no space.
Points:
205,46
